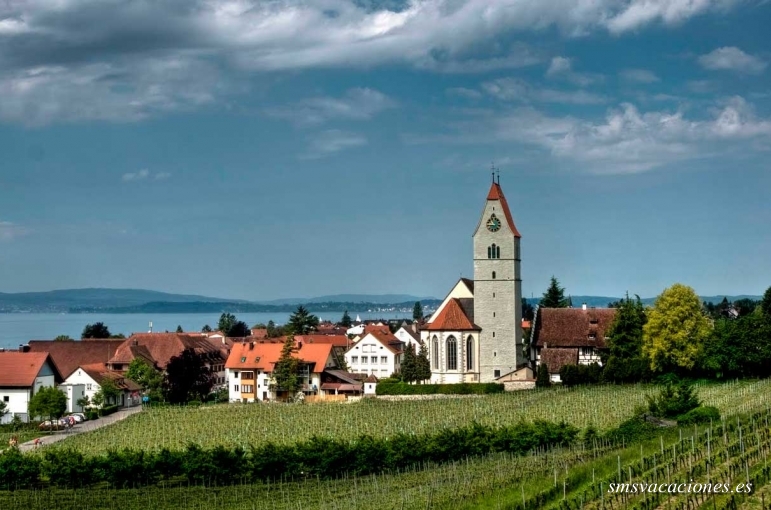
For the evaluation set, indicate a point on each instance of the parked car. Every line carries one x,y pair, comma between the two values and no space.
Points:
79,417
48,425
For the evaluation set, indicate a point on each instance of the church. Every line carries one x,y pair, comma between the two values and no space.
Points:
475,335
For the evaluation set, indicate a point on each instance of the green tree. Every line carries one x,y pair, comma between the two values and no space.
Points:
676,330
738,348
63,338
187,378
346,321
765,303
423,366
3,410
179,329
226,322
542,379
83,402
287,368
554,297
48,403
624,361
206,329
95,330
259,325
302,322
147,377
528,312
409,368
108,391
417,311
239,329
271,330
673,400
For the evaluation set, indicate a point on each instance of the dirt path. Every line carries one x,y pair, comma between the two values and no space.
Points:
79,428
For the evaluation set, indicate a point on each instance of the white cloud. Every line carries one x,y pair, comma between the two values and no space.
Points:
627,140
10,231
332,141
145,174
124,61
355,104
731,58
463,92
562,68
515,89
558,65
639,76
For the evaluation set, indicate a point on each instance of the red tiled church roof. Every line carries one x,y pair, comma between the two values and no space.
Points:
496,193
452,318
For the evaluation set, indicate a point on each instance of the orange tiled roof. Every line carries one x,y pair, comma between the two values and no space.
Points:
452,318
496,193
336,340
19,369
263,356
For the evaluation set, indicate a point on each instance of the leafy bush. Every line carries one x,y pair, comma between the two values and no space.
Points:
17,470
398,388
92,414
633,429
699,415
108,410
673,401
573,375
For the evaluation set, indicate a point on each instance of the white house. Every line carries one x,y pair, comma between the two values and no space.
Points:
409,336
91,377
370,385
22,374
378,353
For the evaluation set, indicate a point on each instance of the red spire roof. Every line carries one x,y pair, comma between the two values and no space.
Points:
452,318
496,193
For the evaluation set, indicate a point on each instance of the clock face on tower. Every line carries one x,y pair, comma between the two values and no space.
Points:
493,224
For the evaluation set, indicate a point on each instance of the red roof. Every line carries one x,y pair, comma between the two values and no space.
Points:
573,327
263,356
452,318
336,340
69,355
496,193
164,346
19,369
99,374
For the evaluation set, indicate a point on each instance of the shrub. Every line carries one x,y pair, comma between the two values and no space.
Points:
673,401
106,410
633,429
17,470
92,414
398,388
699,415
573,375
542,378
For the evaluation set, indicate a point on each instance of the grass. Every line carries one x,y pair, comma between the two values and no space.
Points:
251,424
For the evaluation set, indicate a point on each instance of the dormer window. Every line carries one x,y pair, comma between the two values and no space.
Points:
592,336
243,359
593,321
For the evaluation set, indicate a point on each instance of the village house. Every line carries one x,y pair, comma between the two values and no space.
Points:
87,380
69,355
338,383
569,336
250,365
378,353
22,374
408,335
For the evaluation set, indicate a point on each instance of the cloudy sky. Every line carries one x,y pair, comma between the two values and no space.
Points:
266,149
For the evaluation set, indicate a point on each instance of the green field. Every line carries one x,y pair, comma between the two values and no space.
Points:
252,424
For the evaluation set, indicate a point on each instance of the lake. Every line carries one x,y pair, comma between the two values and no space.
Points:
19,328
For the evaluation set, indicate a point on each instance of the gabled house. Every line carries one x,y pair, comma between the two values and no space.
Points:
378,352
570,336
408,335
22,374
339,382
250,366
69,355
91,377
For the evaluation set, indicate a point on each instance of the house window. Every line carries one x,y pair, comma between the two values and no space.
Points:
496,373
470,353
592,336
435,352
493,294
452,353
383,360
88,387
493,314
354,359
243,359
493,334
247,388
6,398
364,360
235,374
235,387
493,275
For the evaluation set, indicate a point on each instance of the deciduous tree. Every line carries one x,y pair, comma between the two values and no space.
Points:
63,338
146,376
226,322
765,303
96,330
48,403
676,330
287,368
187,378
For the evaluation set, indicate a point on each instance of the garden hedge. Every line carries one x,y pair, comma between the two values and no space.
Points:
400,388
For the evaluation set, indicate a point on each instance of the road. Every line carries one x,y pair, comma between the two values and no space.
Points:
79,428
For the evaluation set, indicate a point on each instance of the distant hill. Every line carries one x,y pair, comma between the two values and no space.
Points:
603,301
64,300
350,298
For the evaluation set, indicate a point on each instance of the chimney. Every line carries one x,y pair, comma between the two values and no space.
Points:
251,345
151,327
583,306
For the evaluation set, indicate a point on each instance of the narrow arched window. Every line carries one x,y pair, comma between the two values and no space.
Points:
452,353
470,353
493,275
497,252
435,352
489,252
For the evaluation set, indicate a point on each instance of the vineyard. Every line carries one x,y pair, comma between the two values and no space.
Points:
252,424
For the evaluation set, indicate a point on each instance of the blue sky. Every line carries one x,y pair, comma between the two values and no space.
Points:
263,150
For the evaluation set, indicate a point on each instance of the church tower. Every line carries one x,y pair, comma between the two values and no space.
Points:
498,289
